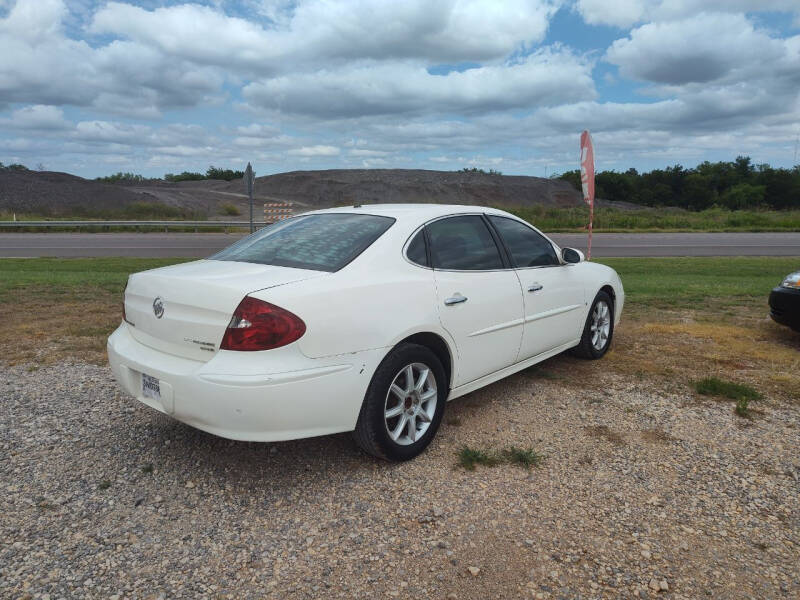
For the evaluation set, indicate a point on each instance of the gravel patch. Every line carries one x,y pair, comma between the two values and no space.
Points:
642,493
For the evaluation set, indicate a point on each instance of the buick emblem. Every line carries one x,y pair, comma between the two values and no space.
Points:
158,307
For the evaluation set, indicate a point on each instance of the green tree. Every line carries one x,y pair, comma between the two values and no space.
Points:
185,176
121,177
611,185
225,174
743,195
733,184
698,192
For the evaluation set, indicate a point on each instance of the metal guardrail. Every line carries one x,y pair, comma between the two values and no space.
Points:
133,224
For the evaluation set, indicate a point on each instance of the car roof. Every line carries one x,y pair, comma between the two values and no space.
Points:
415,212
411,216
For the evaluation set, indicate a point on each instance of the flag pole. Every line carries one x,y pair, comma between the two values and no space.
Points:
587,182
591,220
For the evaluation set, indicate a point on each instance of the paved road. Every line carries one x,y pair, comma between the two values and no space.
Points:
204,244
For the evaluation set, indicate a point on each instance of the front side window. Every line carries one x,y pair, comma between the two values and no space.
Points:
324,242
527,247
463,244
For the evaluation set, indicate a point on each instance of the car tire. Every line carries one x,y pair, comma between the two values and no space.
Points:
404,404
598,330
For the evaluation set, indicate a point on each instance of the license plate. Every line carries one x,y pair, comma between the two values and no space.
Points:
150,387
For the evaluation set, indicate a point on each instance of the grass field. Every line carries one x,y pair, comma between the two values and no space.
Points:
685,319
64,278
694,283
62,308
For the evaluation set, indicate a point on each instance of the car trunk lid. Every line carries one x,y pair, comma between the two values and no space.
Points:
184,309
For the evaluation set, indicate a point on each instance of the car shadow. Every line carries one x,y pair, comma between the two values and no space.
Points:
184,453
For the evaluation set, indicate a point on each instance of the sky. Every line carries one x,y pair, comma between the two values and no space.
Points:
155,87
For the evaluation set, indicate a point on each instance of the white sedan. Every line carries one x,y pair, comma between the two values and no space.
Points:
365,319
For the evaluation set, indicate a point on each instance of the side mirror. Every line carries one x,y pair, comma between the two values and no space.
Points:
571,255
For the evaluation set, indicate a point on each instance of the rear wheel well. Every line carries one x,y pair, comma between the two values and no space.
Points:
438,346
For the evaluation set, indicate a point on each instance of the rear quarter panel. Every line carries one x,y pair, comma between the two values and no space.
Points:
371,303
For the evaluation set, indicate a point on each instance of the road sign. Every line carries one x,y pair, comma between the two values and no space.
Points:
277,211
249,181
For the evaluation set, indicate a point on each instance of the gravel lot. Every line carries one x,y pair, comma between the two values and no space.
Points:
642,493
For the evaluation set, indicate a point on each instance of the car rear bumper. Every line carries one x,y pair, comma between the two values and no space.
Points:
254,396
784,307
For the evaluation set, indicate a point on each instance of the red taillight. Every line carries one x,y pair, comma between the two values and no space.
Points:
259,325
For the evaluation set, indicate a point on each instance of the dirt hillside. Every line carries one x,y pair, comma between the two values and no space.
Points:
54,194
61,194
377,186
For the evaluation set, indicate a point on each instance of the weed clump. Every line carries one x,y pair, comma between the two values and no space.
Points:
526,458
742,394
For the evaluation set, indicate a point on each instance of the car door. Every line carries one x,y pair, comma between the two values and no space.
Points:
553,292
478,293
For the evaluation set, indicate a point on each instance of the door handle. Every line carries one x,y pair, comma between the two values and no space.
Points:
457,299
536,287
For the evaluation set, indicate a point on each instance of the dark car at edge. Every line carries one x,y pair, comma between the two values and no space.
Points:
784,302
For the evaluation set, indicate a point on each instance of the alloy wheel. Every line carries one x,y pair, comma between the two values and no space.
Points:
601,325
410,403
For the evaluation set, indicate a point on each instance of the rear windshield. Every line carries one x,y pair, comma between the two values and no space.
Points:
325,242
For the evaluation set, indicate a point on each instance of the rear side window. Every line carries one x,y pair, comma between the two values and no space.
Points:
417,250
463,244
325,242
527,247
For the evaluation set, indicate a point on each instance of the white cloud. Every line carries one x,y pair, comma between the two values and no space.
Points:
190,32
318,150
261,136
40,64
349,83
546,77
37,118
257,130
321,31
278,12
364,153
620,13
624,13
179,56
703,48
34,21
105,131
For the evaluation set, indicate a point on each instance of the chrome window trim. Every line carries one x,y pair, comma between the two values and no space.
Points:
556,247
560,264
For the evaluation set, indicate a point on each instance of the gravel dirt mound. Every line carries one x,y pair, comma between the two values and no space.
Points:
61,194
320,189
642,492
49,193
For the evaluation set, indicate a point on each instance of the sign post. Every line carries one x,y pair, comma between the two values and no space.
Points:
249,180
587,181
